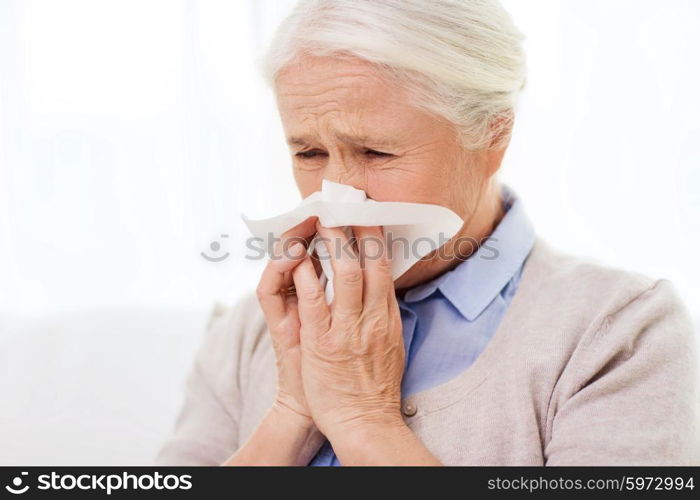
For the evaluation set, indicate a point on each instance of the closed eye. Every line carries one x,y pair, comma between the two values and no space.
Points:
374,152
313,153
309,154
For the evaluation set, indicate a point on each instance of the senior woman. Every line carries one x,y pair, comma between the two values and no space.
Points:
504,353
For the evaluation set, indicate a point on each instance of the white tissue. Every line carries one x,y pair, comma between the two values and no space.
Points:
339,205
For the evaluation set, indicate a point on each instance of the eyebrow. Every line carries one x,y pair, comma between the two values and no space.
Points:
298,141
346,138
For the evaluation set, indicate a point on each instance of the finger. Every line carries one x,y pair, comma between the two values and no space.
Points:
272,300
311,300
376,268
275,278
347,273
316,260
301,233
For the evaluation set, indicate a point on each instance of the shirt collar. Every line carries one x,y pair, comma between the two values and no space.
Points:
473,284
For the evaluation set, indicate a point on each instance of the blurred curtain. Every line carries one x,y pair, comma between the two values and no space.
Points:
134,132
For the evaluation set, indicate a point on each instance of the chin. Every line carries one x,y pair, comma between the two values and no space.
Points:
412,277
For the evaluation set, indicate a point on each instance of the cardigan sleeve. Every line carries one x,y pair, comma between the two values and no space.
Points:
633,396
206,428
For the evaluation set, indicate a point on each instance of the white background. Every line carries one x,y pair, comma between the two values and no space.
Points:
133,133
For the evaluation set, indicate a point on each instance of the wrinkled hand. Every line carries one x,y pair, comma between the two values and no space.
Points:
352,352
282,317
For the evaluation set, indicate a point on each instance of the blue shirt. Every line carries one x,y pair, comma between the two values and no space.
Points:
448,321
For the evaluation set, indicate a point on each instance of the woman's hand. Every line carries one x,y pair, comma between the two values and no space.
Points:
352,352
286,435
282,318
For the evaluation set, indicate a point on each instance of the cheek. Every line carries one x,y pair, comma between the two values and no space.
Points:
415,183
307,181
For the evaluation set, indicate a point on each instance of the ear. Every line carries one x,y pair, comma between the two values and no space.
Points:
501,128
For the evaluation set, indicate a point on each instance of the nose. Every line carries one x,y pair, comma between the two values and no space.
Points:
344,170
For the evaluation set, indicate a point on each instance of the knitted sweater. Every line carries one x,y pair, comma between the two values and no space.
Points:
589,366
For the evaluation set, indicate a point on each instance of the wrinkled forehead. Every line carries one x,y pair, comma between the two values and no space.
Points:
349,95
340,83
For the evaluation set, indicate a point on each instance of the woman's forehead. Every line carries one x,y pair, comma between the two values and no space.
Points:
350,80
350,100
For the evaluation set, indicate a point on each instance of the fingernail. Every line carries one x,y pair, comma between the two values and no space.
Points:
296,249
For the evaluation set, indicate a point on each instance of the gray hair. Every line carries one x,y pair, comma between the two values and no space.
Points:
462,59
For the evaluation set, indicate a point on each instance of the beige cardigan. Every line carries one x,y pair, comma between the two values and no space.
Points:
590,366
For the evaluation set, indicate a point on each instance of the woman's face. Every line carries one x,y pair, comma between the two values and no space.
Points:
346,123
